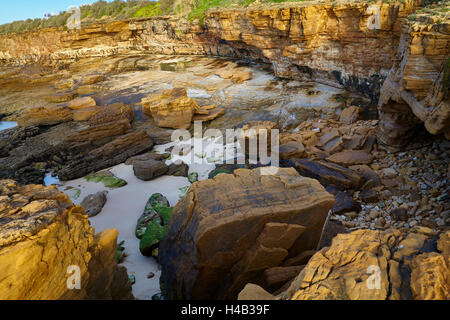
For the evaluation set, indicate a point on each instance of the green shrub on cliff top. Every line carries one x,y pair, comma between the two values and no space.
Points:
151,10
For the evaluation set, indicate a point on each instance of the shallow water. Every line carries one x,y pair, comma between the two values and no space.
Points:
7,125
49,180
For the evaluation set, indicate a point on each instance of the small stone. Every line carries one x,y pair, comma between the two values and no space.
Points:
369,195
413,223
351,214
374,214
389,173
399,214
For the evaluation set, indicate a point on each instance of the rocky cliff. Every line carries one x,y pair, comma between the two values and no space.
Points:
416,88
350,44
44,238
345,43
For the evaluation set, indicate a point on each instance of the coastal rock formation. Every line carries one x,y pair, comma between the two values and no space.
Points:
317,41
416,89
94,203
44,238
72,148
377,265
171,109
255,234
149,169
45,116
302,40
110,154
111,113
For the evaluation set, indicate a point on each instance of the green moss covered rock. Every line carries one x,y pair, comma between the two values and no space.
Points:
152,225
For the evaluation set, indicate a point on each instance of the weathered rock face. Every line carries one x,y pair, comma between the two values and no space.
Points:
416,88
171,109
318,41
41,235
327,42
377,265
254,234
348,44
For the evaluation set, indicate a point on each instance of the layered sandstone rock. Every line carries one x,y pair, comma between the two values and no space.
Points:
416,89
110,154
255,234
82,103
332,42
100,131
113,112
377,265
42,234
318,41
171,109
45,116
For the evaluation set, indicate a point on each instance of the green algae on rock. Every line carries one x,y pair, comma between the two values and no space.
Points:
108,179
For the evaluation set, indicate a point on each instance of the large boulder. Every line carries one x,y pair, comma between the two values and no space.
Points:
171,109
149,169
228,230
377,265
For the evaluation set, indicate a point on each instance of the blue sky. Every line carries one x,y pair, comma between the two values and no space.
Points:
12,10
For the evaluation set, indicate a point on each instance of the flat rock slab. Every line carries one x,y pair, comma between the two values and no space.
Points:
351,157
328,173
228,230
